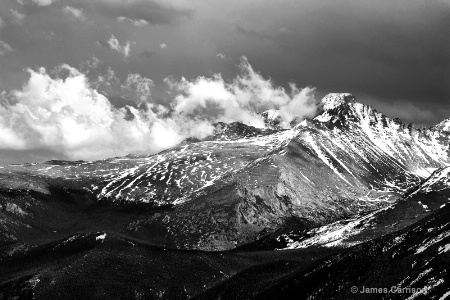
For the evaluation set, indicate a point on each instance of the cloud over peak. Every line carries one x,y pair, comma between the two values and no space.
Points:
242,99
69,118
62,115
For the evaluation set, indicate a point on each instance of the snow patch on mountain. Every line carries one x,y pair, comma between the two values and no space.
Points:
439,180
101,237
421,248
333,234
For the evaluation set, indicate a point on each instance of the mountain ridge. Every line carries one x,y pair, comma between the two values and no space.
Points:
246,182
272,207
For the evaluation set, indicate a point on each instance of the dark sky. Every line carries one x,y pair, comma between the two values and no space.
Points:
393,54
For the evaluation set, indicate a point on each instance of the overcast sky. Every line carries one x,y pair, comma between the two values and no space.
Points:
393,54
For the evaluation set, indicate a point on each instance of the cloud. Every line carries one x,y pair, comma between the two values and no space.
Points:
141,11
221,56
5,48
162,46
114,44
43,2
60,114
135,88
386,49
74,12
135,22
2,24
69,119
140,87
17,16
248,94
90,64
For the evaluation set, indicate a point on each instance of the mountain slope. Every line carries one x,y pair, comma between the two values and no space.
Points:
409,264
236,186
350,187
94,193
349,160
431,195
403,248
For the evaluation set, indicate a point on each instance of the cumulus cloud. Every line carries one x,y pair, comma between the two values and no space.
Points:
5,48
74,12
17,16
62,115
90,64
135,88
2,24
243,99
162,46
135,22
302,104
140,87
69,118
114,44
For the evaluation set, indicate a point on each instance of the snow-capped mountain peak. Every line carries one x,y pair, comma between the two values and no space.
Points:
443,126
334,100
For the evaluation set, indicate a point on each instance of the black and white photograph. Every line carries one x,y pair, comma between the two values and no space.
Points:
225,149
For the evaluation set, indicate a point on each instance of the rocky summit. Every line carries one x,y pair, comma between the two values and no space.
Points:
349,198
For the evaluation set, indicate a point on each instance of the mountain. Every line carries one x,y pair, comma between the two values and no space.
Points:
412,260
347,161
416,204
273,205
75,193
242,183
443,127
407,264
